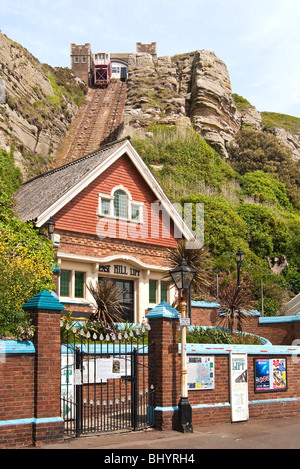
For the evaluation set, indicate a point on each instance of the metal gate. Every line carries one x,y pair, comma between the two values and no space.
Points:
105,384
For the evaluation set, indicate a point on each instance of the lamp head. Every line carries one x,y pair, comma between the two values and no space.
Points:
183,275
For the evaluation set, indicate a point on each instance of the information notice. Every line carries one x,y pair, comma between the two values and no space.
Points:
102,369
239,387
200,372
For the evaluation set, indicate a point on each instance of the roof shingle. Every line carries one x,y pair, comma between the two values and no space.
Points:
40,193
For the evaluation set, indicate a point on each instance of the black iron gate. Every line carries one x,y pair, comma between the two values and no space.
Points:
105,385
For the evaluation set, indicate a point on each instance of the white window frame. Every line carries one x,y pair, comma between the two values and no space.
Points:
130,203
72,296
110,199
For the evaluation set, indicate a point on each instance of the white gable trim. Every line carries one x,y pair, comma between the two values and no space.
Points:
127,148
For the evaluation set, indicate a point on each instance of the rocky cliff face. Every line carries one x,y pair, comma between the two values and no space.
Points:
36,108
290,139
191,89
212,110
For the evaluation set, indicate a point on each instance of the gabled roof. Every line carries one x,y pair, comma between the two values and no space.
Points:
42,197
34,197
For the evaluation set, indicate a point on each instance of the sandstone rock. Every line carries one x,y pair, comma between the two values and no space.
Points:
32,121
191,89
140,59
197,85
290,140
250,117
212,109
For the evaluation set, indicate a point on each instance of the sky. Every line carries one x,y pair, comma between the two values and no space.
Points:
259,40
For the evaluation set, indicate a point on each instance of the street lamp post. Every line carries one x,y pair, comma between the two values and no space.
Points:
183,276
239,257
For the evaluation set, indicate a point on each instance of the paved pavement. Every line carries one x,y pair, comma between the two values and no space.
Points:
276,433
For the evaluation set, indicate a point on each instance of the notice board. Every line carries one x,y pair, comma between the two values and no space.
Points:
270,374
200,373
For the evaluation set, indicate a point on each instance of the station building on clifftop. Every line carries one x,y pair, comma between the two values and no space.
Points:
112,220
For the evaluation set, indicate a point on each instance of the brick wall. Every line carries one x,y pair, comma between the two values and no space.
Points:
213,405
30,380
146,48
81,68
166,370
215,402
92,246
29,411
17,399
205,317
279,331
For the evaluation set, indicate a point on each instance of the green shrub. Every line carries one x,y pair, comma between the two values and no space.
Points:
241,103
187,162
224,228
265,189
268,234
215,335
256,150
272,120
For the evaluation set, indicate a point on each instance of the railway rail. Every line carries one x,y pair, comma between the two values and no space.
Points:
98,122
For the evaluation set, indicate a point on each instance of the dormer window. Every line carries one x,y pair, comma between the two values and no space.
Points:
119,204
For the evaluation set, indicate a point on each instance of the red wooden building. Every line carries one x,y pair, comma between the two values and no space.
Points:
113,220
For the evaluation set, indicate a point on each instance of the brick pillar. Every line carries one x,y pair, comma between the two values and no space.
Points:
45,311
164,364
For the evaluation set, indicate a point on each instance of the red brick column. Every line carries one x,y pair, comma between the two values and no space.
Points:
45,311
164,364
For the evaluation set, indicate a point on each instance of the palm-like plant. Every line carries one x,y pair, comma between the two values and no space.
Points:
107,301
199,259
236,302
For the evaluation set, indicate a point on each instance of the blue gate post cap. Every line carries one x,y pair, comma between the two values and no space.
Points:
163,310
44,300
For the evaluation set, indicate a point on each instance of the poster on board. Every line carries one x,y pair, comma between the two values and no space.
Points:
239,387
102,369
67,383
270,374
200,373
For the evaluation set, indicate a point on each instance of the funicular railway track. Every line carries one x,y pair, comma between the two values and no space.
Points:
99,121
110,116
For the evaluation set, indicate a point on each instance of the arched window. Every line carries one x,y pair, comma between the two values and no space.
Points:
120,204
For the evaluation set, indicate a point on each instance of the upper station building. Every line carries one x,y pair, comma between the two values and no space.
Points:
83,61
112,220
